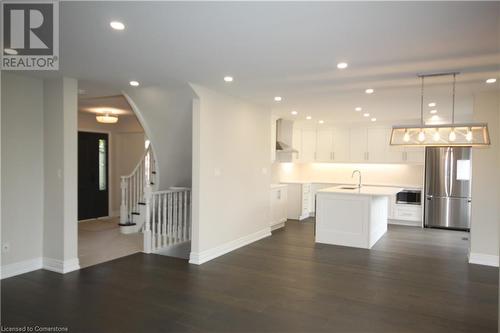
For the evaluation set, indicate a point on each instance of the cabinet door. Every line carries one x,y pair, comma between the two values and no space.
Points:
358,149
308,145
377,145
340,145
324,145
297,144
415,155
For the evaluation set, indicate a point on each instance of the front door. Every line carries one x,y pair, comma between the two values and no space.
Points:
92,175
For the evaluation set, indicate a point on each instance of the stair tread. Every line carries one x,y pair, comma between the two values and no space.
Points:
126,224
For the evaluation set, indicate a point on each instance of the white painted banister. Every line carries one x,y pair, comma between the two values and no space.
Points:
133,187
168,218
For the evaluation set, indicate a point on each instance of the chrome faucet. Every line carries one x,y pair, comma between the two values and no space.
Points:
352,176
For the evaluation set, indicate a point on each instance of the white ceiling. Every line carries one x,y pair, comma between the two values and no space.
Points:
291,49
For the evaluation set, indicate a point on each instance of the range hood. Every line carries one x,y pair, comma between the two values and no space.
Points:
284,135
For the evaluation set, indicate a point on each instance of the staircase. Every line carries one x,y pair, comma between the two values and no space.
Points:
164,217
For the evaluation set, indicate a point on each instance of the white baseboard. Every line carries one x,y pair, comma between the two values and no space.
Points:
20,267
61,266
199,258
483,259
278,226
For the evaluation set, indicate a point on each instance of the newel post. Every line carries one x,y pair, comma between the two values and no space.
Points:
124,204
147,223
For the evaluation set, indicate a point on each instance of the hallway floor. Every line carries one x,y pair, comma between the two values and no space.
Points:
413,280
101,240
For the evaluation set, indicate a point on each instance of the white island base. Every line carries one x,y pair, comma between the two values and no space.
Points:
356,218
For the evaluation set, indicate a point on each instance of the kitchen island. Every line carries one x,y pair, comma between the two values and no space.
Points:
352,216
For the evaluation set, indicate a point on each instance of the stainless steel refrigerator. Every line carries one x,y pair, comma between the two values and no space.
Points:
448,199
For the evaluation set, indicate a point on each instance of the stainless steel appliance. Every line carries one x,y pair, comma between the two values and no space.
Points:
448,187
409,197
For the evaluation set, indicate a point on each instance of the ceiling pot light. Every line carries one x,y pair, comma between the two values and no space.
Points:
117,25
492,80
373,119
134,83
10,51
369,91
228,78
107,118
278,99
432,104
294,112
359,108
433,111
342,65
321,122
366,114
435,117
452,134
309,117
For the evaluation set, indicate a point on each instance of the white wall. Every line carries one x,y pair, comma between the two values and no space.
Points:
60,175
485,174
22,169
377,174
126,147
165,113
231,166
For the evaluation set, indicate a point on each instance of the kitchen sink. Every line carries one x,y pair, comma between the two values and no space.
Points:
349,187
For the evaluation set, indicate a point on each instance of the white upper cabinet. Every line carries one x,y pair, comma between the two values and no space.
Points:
358,145
340,145
377,144
324,145
308,145
353,145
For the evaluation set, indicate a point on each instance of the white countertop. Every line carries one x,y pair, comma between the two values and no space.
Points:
400,186
364,190
274,186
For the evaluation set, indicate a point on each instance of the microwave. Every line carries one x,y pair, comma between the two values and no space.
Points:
409,197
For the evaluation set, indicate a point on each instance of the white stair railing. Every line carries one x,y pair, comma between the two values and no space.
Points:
168,218
133,188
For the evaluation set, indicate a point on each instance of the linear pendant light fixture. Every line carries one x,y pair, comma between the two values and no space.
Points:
460,134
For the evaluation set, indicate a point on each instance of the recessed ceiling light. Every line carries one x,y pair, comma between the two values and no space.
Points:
369,91
492,80
309,117
117,25
432,104
134,83
359,108
373,119
434,111
366,114
294,112
342,65
278,99
321,122
10,51
228,78
435,117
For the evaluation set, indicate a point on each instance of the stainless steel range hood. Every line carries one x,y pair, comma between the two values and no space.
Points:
284,136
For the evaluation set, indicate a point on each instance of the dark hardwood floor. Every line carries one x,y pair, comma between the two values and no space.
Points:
413,280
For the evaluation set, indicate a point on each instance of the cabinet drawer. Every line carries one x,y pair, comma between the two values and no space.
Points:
413,213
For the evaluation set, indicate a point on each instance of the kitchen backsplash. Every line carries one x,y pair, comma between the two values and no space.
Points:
387,174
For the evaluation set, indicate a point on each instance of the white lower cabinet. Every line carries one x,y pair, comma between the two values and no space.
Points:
279,207
404,214
299,201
